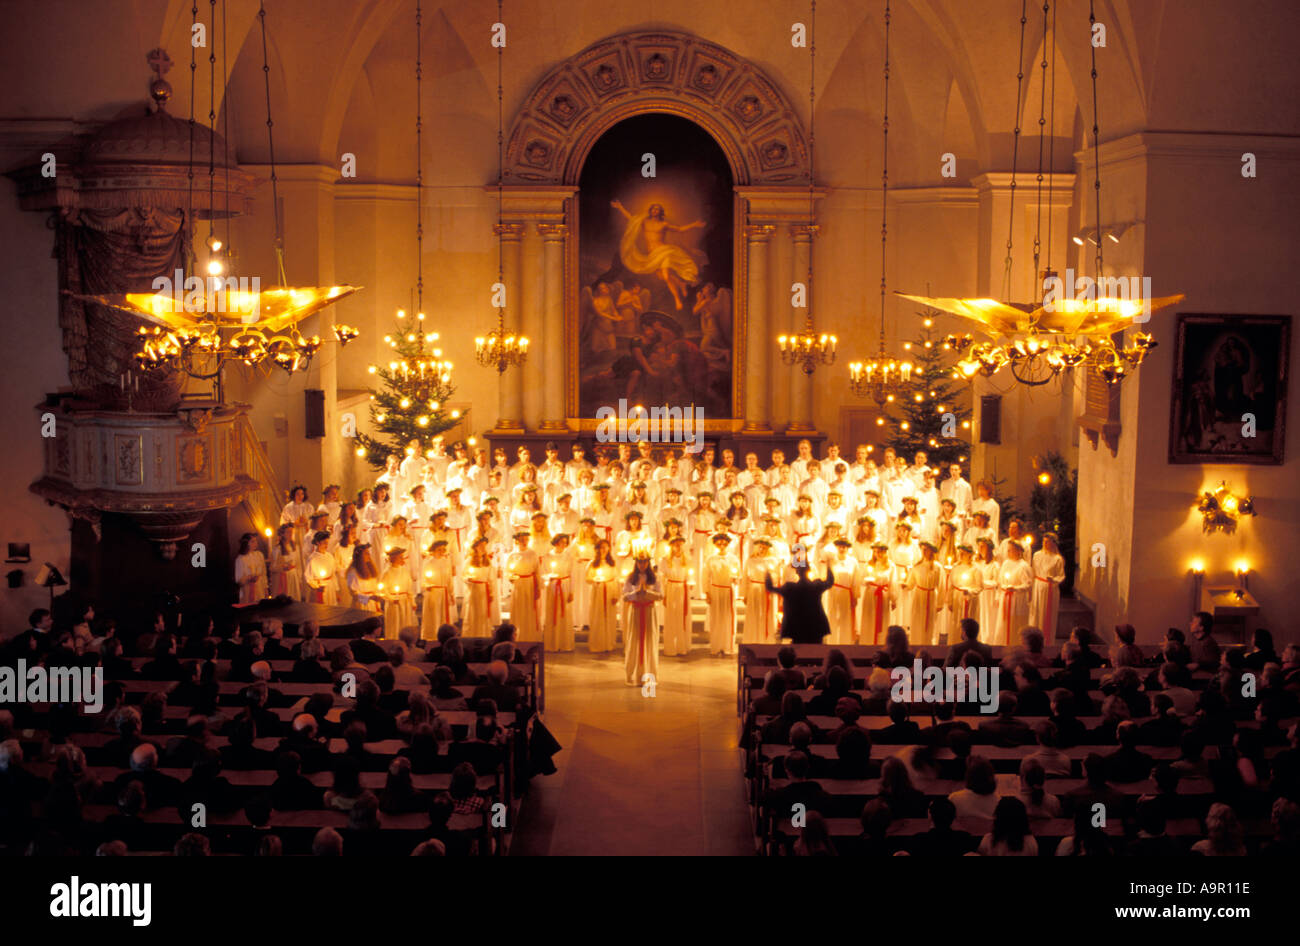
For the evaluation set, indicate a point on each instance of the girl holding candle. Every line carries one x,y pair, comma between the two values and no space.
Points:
399,602
603,580
363,581
582,553
250,570
478,591
922,588
839,600
721,571
877,592
678,578
439,596
1015,583
525,589
286,564
987,566
557,619
1049,572
321,571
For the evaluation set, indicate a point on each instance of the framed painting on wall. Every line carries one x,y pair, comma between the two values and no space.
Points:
1230,389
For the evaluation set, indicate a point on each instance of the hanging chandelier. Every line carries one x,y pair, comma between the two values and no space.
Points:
1075,324
499,348
808,348
876,377
196,325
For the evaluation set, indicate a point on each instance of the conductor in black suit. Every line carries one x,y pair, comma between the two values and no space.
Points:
804,620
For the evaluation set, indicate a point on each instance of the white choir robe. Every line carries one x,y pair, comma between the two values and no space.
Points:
439,595
525,589
479,595
417,527
959,492
286,572
343,560
702,527
581,555
740,531
557,600
678,579
761,617
1015,581
837,601
1026,543
321,569
991,507
877,590
903,556
719,582
965,588
331,509
602,618
1045,603
299,514
364,592
250,575
805,529
564,522
927,507
988,611
641,638
399,602
923,602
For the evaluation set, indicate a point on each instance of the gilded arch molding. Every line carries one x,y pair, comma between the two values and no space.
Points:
669,72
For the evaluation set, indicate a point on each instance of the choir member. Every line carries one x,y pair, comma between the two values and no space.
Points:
836,511
988,567
922,587
557,604
582,554
920,466
927,506
479,580
774,471
320,571
250,569
804,526
363,581
539,536
1015,536
740,524
348,541
965,591
956,489
871,509
395,587
877,594
641,590
439,597
703,524
773,532
286,564
297,511
839,599
1049,572
678,577
863,537
984,502
672,508
564,519
330,502
525,589
574,467
602,512
718,577
1015,582
458,520
799,465
761,618
417,511
603,581
979,529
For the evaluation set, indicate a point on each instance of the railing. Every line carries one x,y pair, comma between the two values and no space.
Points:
265,502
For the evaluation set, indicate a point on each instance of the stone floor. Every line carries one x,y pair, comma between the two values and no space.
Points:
639,775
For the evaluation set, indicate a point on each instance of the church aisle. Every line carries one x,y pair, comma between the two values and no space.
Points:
639,775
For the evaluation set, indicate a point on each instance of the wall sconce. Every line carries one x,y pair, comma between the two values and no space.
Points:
1221,508
1197,568
1242,570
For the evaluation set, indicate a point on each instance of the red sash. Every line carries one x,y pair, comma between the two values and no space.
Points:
557,587
1052,587
879,594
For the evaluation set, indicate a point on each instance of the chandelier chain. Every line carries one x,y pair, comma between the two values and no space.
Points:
419,167
1015,153
270,143
884,184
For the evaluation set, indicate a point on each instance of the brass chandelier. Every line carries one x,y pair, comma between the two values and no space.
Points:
807,348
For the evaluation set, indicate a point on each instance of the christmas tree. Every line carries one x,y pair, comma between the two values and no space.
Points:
929,411
1052,508
411,404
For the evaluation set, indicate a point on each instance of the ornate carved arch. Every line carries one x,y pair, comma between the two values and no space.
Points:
675,73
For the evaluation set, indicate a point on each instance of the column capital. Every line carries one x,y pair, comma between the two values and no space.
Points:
509,231
804,232
553,232
759,232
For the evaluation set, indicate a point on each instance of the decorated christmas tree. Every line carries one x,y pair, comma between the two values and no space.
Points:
411,403
930,411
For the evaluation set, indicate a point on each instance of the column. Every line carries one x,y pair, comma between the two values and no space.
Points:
801,385
553,347
758,337
510,390
529,310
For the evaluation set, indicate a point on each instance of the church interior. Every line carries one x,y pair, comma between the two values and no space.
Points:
510,427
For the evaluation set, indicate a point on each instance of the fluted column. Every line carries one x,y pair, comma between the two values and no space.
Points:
801,386
510,390
552,347
758,337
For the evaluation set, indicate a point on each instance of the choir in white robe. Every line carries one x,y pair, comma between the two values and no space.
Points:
641,636
678,579
439,596
557,600
250,575
363,592
837,601
1015,580
399,602
581,554
479,594
321,570
286,572
988,612
965,587
923,602
719,581
602,619
525,589
761,618
877,591
1045,603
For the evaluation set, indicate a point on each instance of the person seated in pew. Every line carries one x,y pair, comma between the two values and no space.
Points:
1075,676
768,702
342,662
970,640
905,800
800,790
207,786
1030,696
901,731
1070,731
241,754
1005,729
165,664
834,658
848,711
445,633
424,751
255,696
304,742
399,796
307,667
273,645
116,667
979,798
785,667
160,789
1010,836
1224,836
182,752
777,729
1040,804
508,654
250,652
1127,685
354,739
1029,650
1285,818
464,793
260,672
897,650
126,824
1081,639
837,685
954,769
1270,712
879,684
876,818
801,738
941,840
391,699
1164,728
117,752
1173,804
421,711
367,648
378,722
497,689
1113,712
327,843
346,789
508,633
852,756
307,631
1096,790
443,692
815,838
319,706
1124,652
942,723
452,656
1152,838
1054,762
1088,840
